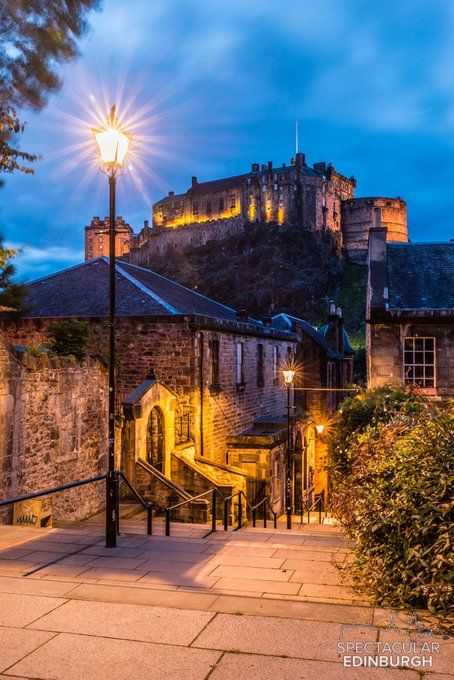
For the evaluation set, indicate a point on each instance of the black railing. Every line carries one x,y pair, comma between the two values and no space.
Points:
213,492
317,505
264,503
148,506
55,489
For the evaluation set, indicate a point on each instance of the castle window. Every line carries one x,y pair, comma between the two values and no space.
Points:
264,188
182,428
214,363
275,364
260,366
221,204
195,209
275,187
419,362
239,363
232,202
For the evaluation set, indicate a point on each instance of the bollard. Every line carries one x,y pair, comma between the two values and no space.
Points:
167,522
264,515
213,510
117,500
275,520
149,519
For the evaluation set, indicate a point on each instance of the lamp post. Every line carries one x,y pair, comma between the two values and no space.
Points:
288,379
113,146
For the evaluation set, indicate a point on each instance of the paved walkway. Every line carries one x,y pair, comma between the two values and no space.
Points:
250,604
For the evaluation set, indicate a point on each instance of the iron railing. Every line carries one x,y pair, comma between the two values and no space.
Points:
55,489
318,505
264,502
147,505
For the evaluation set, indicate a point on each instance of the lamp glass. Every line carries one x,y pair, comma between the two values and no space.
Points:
113,145
319,428
288,376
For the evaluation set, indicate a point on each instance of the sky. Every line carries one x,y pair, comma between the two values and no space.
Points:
211,86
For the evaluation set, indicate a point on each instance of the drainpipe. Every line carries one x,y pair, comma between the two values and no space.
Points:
201,394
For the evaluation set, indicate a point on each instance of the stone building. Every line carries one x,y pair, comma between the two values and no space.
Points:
360,214
410,315
201,395
97,238
53,429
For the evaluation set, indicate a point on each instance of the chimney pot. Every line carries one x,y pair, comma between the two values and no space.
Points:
270,165
172,193
255,167
194,181
145,224
242,315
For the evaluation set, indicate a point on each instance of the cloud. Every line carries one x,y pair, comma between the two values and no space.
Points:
33,262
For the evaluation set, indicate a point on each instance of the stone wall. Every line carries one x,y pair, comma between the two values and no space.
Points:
53,429
385,347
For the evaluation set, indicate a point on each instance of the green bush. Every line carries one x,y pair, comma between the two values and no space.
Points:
69,337
391,460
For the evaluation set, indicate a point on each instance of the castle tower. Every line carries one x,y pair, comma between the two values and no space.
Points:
360,214
97,238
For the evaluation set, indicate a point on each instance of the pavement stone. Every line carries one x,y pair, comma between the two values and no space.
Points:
18,610
16,643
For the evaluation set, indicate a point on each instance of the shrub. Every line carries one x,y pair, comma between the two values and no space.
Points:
69,337
391,460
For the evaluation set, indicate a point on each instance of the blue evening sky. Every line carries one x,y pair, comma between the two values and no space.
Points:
219,84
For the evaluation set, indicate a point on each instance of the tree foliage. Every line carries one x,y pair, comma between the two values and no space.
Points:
69,337
391,460
35,37
12,295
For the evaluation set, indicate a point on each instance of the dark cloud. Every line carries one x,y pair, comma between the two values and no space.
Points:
371,84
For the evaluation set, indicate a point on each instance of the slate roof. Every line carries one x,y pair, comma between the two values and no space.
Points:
285,322
420,275
83,291
171,199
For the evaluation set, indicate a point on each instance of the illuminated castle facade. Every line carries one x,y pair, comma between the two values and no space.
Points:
317,198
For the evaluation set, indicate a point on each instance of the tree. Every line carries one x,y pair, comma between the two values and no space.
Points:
35,37
12,295
69,337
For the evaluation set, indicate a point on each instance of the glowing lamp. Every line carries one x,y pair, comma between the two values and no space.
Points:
112,142
319,428
288,376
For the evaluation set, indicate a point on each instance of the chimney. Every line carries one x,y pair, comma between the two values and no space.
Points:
172,193
300,160
263,167
292,161
270,165
145,224
320,167
242,315
194,181
255,167
377,297
332,335
267,321
376,218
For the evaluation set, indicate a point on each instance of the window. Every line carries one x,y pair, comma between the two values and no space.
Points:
275,363
195,209
419,362
221,204
239,363
155,439
214,363
182,429
232,202
208,207
289,356
260,366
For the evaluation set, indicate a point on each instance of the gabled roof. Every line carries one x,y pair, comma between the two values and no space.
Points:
287,322
420,276
83,291
171,199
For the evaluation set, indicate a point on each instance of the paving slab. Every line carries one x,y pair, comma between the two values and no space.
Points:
242,549
255,573
307,555
18,610
339,592
256,586
16,643
28,586
95,658
195,579
442,660
249,666
122,594
262,635
126,621
246,561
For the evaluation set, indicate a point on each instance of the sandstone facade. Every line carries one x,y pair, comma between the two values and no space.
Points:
53,429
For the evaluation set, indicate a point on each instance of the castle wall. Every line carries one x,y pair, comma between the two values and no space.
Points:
358,216
53,430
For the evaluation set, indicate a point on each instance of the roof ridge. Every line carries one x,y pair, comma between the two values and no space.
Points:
146,290
175,283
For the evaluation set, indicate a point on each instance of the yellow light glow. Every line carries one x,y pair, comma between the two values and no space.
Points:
280,215
319,428
289,374
112,142
189,218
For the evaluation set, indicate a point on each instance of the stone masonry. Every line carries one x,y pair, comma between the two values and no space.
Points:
53,429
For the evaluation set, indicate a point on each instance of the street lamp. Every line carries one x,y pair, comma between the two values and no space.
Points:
289,375
113,145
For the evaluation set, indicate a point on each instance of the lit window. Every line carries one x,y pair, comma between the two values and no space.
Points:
195,209
419,362
208,207
239,363
232,202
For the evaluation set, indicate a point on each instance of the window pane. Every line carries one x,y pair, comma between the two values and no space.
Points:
408,357
419,357
419,344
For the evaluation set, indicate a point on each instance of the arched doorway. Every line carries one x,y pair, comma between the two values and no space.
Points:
155,439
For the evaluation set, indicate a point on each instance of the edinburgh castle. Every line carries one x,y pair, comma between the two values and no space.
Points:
318,199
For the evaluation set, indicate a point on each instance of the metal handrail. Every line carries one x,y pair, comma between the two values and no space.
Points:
240,508
55,489
265,501
213,492
148,505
